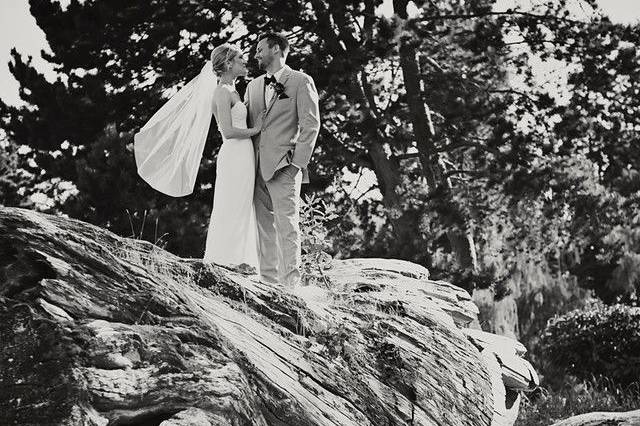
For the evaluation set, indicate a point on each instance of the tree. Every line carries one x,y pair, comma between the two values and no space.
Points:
13,178
422,98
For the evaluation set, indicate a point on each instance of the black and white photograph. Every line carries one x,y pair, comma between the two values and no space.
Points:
319,212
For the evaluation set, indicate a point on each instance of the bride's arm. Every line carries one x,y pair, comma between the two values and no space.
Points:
222,101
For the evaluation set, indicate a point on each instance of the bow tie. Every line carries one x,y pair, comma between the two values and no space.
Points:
269,80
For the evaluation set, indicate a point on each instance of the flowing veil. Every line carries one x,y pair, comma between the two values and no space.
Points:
168,148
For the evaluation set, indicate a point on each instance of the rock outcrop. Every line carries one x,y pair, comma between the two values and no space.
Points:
629,418
98,329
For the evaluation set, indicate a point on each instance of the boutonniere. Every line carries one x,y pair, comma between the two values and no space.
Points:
279,89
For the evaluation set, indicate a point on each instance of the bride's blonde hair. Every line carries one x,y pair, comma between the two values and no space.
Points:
221,55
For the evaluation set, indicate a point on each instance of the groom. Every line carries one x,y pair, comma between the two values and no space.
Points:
289,101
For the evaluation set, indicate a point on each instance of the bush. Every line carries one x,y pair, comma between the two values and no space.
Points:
595,341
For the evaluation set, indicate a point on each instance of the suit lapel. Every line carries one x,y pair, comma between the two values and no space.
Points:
260,94
286,72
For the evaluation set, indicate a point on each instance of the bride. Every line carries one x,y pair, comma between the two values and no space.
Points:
232,235
169,147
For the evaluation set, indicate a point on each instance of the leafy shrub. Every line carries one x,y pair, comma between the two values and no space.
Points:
556,296
597,340
314,217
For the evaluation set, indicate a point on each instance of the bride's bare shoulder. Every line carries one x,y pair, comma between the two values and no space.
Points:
223,94
221,90
221,99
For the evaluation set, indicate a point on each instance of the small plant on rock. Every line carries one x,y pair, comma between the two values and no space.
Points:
315,259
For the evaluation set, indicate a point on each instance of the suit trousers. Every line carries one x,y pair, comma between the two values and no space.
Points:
277,204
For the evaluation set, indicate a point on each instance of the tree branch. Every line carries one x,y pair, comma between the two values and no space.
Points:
502,13
368,93
394,71
512,92
529,41
468,144
357,181
371,188
408,155
452,173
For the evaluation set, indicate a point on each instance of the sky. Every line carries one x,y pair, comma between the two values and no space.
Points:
18,29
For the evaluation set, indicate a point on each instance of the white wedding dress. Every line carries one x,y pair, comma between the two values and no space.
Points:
233,233
168,150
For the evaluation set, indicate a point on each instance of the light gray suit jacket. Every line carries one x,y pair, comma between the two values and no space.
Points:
291,125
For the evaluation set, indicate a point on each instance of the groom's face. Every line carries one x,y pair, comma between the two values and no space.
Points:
265,54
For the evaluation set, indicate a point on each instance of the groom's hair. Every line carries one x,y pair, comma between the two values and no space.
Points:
276,38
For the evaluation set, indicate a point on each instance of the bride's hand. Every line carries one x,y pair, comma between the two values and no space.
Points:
258,122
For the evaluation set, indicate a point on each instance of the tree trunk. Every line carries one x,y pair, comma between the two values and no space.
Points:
462,244
386,168
404,223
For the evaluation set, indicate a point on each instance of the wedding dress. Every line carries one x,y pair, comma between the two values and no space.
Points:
232,235
168,150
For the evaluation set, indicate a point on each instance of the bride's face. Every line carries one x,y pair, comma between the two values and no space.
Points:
239,66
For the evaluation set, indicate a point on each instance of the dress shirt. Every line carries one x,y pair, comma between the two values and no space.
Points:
268,90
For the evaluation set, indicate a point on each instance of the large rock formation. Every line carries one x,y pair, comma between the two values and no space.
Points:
98,329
